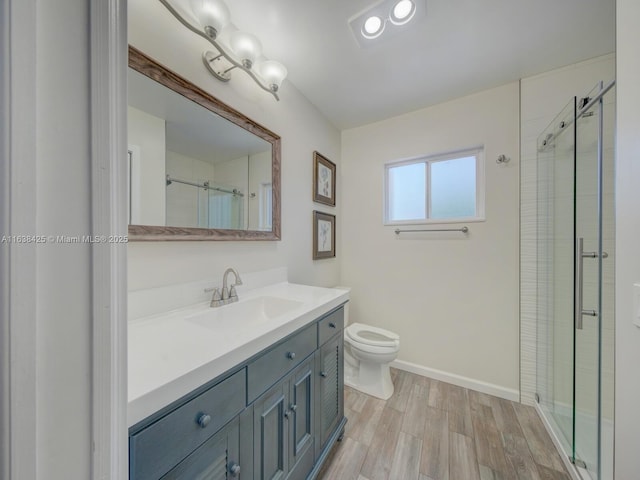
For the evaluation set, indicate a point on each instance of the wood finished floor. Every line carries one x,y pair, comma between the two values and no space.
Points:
431,430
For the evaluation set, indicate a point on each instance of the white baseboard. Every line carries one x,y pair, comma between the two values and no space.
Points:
466,382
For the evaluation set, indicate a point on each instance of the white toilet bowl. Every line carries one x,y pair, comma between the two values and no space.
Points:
368,353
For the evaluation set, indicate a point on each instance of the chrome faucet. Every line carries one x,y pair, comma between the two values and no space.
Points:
229,295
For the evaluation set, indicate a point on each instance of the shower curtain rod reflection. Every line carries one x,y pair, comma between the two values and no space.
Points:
464,229
205,186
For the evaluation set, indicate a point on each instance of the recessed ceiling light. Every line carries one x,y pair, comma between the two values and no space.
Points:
372,27
402,12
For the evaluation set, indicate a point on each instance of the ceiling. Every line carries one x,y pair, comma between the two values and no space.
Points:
459,47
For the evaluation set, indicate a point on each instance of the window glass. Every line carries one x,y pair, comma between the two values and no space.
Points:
407,189
444,187
453,188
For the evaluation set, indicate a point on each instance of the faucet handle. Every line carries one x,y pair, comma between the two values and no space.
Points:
216,295
232,291
216,292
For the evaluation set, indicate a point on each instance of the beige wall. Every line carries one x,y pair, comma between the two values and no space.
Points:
453,299
148,134
183,200
303,129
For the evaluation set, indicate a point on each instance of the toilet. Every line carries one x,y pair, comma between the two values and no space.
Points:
368,351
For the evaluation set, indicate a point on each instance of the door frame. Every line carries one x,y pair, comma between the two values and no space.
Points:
109,63
18,266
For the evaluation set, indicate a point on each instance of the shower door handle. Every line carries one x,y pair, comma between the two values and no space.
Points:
577,293
578,309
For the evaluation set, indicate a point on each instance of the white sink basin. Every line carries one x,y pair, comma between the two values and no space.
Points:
245,314
172,353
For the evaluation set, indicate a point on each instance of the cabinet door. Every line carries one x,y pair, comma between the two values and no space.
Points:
270,433
216,459
301,407
331,379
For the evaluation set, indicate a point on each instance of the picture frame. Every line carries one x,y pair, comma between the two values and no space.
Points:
324,180
324,235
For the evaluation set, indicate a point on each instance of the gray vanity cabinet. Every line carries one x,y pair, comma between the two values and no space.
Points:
217,459
270,434
330,378
283,427
275,416
331,389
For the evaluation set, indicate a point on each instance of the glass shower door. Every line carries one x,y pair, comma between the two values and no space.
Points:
588,291
555,243
594,356
575,292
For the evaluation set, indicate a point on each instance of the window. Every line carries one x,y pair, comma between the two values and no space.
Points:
439,188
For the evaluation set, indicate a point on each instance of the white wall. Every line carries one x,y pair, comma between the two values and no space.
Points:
259,172
453,299
303,129
235,174
183,200
148,134
627,436
63,201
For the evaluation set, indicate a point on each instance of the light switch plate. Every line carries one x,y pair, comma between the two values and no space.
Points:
636,304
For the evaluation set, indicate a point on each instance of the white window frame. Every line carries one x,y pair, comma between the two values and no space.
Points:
477,151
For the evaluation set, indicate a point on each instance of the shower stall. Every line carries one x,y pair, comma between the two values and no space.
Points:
575,286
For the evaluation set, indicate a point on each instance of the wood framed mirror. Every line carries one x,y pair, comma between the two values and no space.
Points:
197,168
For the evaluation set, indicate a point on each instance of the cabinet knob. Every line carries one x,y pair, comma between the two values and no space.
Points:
234,469
323,374
293,407
332,325
286,414
203,420
291,355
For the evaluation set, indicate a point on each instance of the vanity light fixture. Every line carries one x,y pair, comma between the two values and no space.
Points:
208,18
371,23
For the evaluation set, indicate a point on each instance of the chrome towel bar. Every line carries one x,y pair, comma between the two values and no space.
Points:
464,229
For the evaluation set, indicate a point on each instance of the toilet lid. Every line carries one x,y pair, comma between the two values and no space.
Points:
369,335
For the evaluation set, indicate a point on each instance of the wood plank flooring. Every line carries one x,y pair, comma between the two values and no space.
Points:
431,430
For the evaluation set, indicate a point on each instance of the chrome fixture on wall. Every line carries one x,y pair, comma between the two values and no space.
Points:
208,18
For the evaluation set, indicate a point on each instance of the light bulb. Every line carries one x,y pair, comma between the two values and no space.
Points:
273,73
246,46
402,12
372,27
213,15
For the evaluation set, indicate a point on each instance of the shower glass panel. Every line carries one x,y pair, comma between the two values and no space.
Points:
556,169
575,294
588,260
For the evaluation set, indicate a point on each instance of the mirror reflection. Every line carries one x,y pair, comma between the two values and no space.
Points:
190,168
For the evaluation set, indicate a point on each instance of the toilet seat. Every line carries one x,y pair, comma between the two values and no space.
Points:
373,336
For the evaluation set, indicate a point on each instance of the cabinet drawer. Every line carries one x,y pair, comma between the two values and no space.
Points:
274,364
163,444
330,325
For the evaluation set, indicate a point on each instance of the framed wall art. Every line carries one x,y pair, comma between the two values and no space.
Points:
324,235
324,180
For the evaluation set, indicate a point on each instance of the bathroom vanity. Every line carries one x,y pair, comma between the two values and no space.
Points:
252,390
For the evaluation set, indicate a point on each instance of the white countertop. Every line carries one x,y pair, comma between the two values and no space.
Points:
173,353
